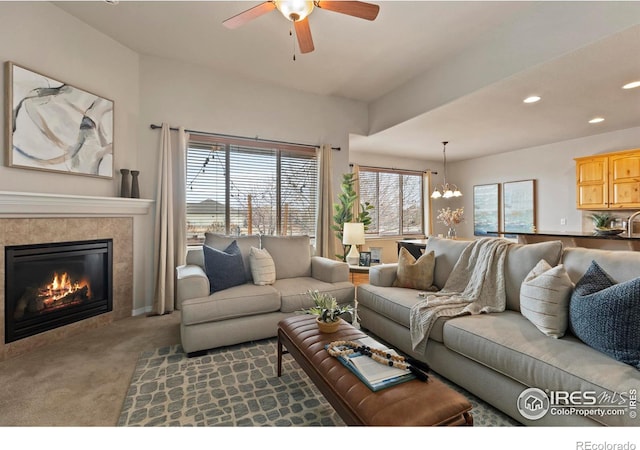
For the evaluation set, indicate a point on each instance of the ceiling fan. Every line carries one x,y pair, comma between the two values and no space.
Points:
297,11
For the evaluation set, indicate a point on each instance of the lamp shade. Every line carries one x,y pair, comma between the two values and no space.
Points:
353,233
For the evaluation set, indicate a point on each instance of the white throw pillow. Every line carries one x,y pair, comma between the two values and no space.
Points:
263,269
544,298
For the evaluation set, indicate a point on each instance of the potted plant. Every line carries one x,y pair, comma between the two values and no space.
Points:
327,310
343,211
601,221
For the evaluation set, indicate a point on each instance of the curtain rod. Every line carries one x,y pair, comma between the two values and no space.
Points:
395,168
207,133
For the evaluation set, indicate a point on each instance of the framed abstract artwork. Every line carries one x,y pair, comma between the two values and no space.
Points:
519,206
56,127
486,209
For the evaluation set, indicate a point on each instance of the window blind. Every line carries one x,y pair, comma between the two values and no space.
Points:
397,198
239,188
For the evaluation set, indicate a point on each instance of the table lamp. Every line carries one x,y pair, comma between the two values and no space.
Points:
353,235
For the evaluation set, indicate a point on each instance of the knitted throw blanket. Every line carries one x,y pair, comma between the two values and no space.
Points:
476,285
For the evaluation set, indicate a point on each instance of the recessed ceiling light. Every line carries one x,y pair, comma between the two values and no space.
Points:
532,99
597,120
633,84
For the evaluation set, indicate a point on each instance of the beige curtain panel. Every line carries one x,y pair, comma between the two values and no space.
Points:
170,221
325,238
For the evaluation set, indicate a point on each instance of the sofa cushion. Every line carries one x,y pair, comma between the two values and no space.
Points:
621,265
447,253
605,315
294,292
521,258
239,301
263,270
224,268
291,255
220,242
509,344
415,273
395,304
544,298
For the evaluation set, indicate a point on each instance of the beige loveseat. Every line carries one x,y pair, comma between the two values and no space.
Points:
497,356
249,312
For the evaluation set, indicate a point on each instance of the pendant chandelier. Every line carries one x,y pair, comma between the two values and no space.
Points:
446,190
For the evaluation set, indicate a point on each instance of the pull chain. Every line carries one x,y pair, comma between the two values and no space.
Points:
291,33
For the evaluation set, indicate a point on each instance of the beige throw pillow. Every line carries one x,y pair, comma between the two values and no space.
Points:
415,274
544,298
263,269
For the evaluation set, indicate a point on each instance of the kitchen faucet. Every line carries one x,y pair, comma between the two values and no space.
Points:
630,223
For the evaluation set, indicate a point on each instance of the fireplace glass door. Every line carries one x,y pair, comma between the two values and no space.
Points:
51,285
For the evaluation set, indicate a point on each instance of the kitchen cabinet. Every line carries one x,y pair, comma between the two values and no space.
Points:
608,181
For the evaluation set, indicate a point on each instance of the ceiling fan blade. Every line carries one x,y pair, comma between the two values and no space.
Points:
363,10
249,14
303,32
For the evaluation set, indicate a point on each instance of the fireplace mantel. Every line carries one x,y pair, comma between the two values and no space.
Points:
33,218
31,204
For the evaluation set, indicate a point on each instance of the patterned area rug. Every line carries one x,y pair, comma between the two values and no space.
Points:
238,386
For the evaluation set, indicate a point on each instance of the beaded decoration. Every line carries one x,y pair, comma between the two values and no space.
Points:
344,348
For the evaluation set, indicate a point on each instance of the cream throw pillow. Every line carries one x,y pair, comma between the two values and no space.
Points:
263,269
544,298
415,274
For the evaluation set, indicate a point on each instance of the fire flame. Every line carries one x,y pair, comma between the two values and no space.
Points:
62,286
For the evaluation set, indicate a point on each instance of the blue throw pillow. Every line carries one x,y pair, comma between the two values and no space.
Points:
606,316
224,269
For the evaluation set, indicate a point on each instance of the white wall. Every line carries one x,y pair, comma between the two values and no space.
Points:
43,38
202,99
551,165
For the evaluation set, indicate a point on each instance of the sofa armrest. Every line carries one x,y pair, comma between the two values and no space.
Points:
329,270
191,282
383,275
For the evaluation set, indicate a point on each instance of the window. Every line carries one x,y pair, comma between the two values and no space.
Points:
397,197
240,187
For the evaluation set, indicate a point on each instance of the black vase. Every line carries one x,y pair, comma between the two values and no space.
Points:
135,187
125,186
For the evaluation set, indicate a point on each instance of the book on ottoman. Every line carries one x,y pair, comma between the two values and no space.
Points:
372,373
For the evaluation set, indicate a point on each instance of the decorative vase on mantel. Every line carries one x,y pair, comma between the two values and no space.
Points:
135,186
451,233
125,187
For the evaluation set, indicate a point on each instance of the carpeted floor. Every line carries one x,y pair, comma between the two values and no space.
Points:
238,386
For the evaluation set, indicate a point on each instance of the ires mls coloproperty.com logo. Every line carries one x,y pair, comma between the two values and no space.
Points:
534,403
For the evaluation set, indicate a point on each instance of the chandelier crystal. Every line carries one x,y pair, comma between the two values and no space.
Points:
446,190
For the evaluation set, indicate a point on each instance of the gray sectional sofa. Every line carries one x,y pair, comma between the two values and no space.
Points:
249,311
498,356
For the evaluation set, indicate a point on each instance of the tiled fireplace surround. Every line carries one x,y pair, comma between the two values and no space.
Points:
37,218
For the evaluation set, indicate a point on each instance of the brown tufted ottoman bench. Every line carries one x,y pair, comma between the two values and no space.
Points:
413,403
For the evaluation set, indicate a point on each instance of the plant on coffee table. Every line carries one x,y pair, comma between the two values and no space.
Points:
327,310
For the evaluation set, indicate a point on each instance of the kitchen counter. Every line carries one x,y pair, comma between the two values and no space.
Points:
579,239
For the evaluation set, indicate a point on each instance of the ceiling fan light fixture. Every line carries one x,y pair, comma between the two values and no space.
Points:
294,10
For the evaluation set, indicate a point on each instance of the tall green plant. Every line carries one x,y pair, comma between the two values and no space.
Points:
343,210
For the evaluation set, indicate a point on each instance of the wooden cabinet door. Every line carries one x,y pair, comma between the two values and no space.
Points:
624,180
591,182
